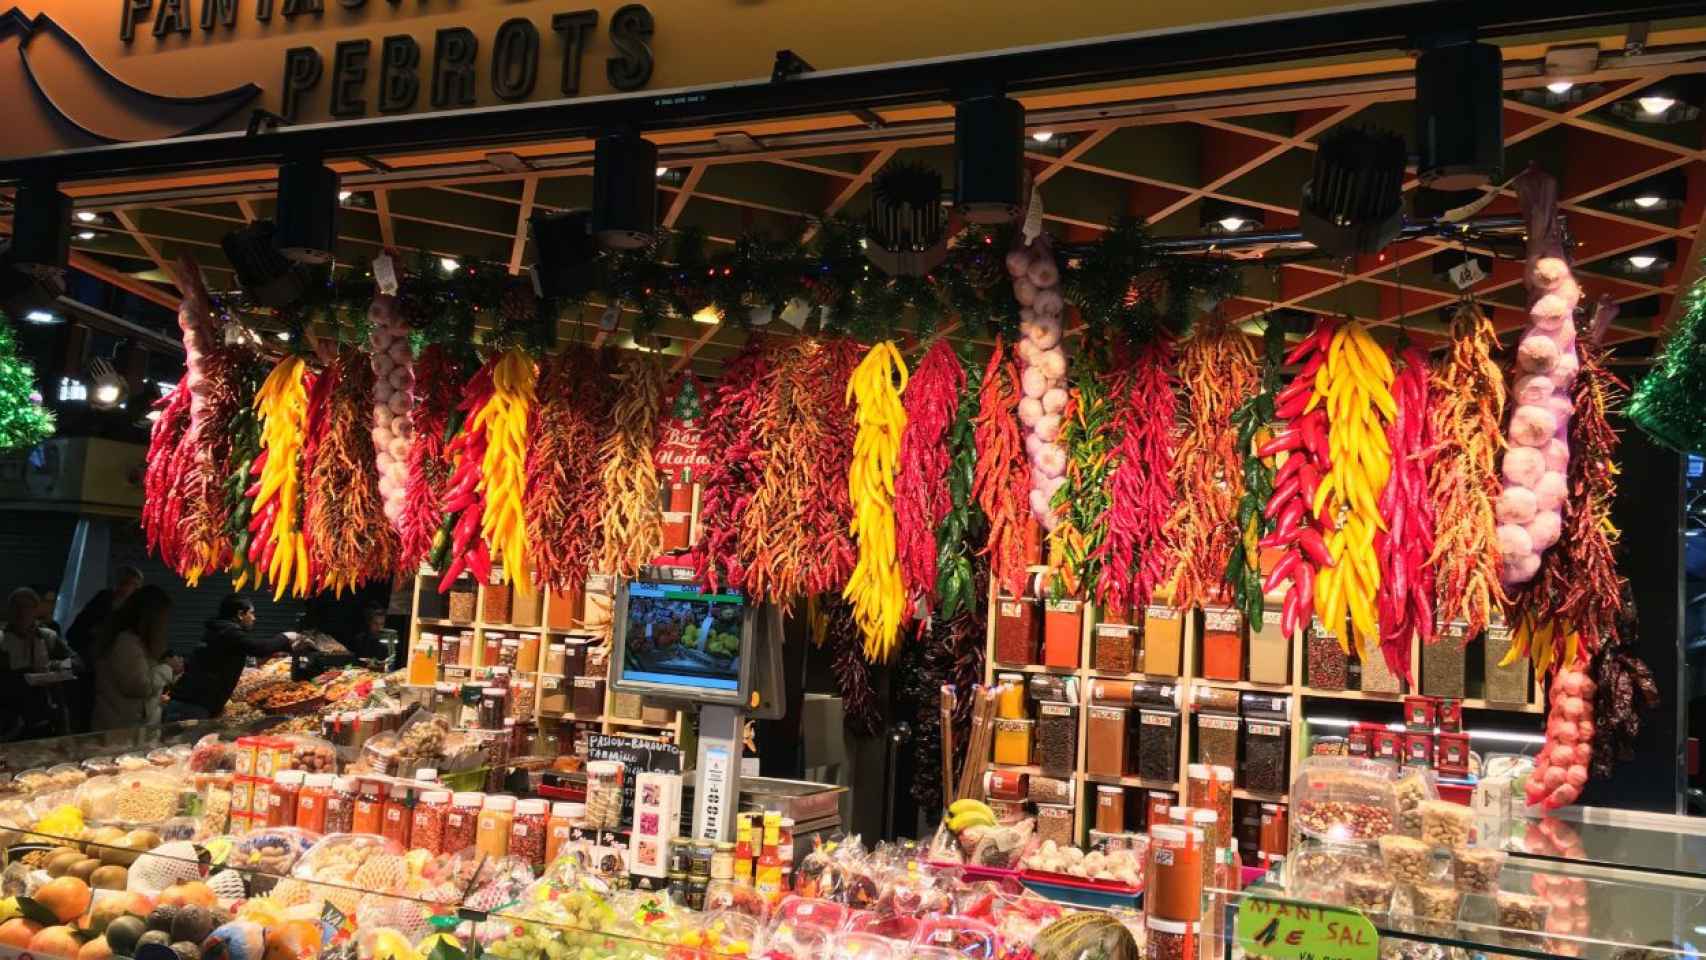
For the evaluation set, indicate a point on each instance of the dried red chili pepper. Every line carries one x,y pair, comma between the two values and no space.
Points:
921,485
1137,555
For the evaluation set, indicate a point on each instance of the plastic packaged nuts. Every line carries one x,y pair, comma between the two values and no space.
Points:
1475,869
1369,892
1446,824
1429,901
1408,860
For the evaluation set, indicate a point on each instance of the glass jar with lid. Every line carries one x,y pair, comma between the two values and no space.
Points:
491,833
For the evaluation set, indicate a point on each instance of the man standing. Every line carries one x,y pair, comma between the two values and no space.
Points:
81,637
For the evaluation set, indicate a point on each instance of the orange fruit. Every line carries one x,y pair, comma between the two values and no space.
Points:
18,932
293,940
55,942
95,949
193,893
67,897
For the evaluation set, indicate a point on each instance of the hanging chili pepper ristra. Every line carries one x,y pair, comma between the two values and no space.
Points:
922,496
564,501
350,540
458,547
1405,602
1137,555
279,548
1296,506
737,462
1082,502
633,511
1243,564
875,589
1001,483
435,394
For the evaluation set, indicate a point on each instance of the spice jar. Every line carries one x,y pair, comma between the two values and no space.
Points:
1444,663
492,708
281,801
492,650
1172,940
556,660
1017,631
587,696
1267,755
462,600
1013,742
525,608
423,660
1163,640
1110,809
1055,823
311,802
1156,805
559,828
1105,746
399,814
1063,631
1222,644
461,822
1270,651
553,695
340,805
495,603
1209,786
1377,676
1057,738
1173,885
1010,696
527,832
426,830
563,609
1328,666
1275,836
429,603
604,794
527,653
1158,745
1505,683
509,652
1217,739
466,646
491,832
369,808
1115,648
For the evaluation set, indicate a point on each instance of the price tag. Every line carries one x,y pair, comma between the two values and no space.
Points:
1284,930
385,274
1467,274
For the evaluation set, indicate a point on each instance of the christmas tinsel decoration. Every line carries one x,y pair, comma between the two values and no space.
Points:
23,422
1670,401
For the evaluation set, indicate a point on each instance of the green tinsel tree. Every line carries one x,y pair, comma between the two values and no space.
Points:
1670,401
23,422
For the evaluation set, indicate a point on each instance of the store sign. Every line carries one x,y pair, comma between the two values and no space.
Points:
1288,930
357,79
681,452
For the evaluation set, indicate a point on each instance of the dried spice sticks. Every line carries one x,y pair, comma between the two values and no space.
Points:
1217,370
633,518
564,497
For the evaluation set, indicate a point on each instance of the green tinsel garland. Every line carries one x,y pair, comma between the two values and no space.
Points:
23,422
1670,401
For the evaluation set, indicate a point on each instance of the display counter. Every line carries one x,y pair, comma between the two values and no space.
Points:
1603,836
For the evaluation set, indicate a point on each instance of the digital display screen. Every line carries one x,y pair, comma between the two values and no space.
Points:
678,636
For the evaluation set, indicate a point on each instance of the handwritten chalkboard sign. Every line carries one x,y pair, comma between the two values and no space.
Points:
636,754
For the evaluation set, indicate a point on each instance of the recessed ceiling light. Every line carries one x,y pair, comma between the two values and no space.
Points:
87,216
106,394
1642,261
41,316
1648,202
448,264
344,195
1560,87
1043,136
283,335
153,414
1656,105
708,315
1232,224
85,234
662,171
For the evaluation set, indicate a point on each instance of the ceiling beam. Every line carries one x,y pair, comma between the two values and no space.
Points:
382,209
146,242
683,194
247,207
89,266
529,190
849,190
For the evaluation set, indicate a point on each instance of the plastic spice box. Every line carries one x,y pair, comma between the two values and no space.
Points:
1222,644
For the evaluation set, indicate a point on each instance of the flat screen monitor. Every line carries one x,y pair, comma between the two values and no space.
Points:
679,642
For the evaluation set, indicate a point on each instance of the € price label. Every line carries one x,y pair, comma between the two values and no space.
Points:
1287,930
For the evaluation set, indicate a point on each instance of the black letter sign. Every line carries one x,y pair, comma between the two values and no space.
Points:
398,83
294,7
453,53
349,76
576,28
172,18
630,28
134,10
302,69
263,10
515,59
218,13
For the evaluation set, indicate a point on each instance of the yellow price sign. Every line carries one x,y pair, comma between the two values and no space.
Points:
1288,930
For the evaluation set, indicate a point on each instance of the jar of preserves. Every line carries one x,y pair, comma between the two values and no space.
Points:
340,805
399,814
558,829
311,802
369,808
426,831
527,837
491,833
461,822
281,800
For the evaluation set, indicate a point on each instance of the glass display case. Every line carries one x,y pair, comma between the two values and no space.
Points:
77,748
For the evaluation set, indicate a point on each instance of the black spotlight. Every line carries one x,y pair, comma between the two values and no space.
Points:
307,211
989,158
1354,200
1460,115
33,259
624,191
565,254
263,271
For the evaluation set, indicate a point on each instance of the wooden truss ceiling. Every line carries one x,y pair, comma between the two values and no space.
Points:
1158,161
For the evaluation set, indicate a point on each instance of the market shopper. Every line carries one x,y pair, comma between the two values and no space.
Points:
30,647
81,637
132,670
211,674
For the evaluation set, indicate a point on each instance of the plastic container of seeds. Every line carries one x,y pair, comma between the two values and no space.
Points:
1342,799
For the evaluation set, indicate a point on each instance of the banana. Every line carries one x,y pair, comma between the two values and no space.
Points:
974,818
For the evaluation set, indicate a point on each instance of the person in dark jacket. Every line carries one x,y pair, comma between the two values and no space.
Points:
81,636
213,669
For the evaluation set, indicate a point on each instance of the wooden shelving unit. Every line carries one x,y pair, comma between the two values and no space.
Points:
605,720
1297,693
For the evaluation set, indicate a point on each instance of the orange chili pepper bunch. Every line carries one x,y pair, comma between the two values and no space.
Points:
1002,482
633,515
349,540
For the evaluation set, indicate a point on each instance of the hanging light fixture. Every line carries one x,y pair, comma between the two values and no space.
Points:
1671,101
1354,200
624,199
1653,195
263,271
989,158
107,390
1460,127
1224,216
1648,261
307,213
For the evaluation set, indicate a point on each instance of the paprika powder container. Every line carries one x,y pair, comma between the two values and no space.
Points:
1017,630
492,654
1110,809
1222,644
527,653
311,802
495,602
281,799
369,808
563,609
1115,648
1163,640
426,828
528,831
526,608
1105,751
1063,631
1174,881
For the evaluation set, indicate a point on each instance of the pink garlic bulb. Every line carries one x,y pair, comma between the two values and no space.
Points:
1042,375
1538,429
392,381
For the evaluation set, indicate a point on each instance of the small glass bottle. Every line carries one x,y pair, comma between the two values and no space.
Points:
281,801
399,814
723,862
311,802
743,849
462,822
767,877
491,835
426,829
558,830
527,831
340,805
369,808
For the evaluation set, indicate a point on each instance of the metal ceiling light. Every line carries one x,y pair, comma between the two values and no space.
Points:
1460,126
1648,260
564,252
107,390
989,158
1353,202
907,229
624,198
308,205
1671,101
1652,195
264,273
1224,216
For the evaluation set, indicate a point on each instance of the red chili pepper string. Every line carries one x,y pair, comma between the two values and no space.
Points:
161,505
921,486
1405,599
436,391
1002,482
464,506
564,497
731,436
1136,556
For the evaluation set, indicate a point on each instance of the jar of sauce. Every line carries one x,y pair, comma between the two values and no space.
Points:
558,829
281,800
527,832
491,834
311,802
369,808
431,811
399,814
340,805
461,822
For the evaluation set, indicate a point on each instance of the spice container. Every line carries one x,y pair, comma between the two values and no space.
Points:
1010,696
1507,683
1063,629
491,831
462,822
1377,676
426,829
1006,785
1212,699
429,603
281,801
311,802
1217,739
560,828
1055,823
399,814
1343,799
1222,644
1057,738
1209,786
626,706
527,832
587,696
1111,692
1105,747
1275,837
526,608
1013,742
461,608
563,609
1041,789
492,708
1158,745
1156,805
369,808
340,805
1171,940
423,660
1052,686
1444,662
1328,666
466,648
1173,884
1163,640
1017,631
527,656
1110,809
1270,651
553,695
604,794
495,601
1115,648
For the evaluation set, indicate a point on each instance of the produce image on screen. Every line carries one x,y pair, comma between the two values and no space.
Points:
678,636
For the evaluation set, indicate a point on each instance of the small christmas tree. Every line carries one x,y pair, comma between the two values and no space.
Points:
23,422
1670,401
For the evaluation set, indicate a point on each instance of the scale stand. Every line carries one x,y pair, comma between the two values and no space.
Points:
722,732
